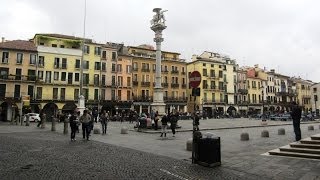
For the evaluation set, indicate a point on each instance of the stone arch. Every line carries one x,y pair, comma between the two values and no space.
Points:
4,111
272,108
69,107
50,110
232,110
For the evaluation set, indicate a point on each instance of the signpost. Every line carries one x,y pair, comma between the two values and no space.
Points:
195,80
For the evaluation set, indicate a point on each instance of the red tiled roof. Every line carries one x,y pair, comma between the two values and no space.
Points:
18,45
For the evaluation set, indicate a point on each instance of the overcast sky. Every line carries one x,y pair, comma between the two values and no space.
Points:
276,34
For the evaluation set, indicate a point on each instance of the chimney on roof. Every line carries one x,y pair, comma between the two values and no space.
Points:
194,57
2,39
272,70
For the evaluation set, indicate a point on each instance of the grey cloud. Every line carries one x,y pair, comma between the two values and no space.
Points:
276,34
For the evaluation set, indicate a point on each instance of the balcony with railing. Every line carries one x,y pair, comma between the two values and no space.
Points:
142,98
18,78
184,86
175,99
213,77
135,83
243,91
135,69
145,84
174,85
306,96
165,71
164,85
174,72
145,70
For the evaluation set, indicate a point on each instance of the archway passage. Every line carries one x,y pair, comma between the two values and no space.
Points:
109,107
50,110
69,108
232,111
3,111
272,108
207,111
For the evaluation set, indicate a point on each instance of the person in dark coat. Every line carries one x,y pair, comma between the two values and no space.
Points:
173,123
196,122
104,121
164,122
73,125
156,119
296,116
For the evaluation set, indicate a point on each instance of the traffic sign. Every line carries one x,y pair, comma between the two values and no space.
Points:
195,79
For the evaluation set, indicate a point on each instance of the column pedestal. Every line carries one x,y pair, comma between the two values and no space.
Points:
158,103
81,105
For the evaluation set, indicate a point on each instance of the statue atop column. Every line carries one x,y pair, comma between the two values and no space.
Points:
158,18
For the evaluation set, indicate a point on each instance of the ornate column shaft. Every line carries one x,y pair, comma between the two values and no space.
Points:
158,25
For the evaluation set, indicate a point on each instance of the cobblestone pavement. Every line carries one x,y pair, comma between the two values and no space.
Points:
46,155
242,157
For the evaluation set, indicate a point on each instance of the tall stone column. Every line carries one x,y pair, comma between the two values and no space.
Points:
158,25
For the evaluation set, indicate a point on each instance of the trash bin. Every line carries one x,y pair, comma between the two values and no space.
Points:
208,150
195,152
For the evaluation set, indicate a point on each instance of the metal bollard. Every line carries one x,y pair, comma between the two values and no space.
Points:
53,124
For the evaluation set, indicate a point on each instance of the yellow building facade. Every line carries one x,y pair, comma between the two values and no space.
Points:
217,87
17,76
174,79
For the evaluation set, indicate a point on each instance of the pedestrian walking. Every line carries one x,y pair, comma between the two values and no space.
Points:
73,125
131,117
296,116
173,123
164,123
91,123
85,119
95,115
41,118
104,121
196,121
156,120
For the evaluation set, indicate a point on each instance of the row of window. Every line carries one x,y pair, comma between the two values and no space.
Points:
212,73
146,66
212,65
86,50
146,78
174,94
19,58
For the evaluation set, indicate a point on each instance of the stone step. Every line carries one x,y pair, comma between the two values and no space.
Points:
294,154
310,146
315,137
310,142
300,150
